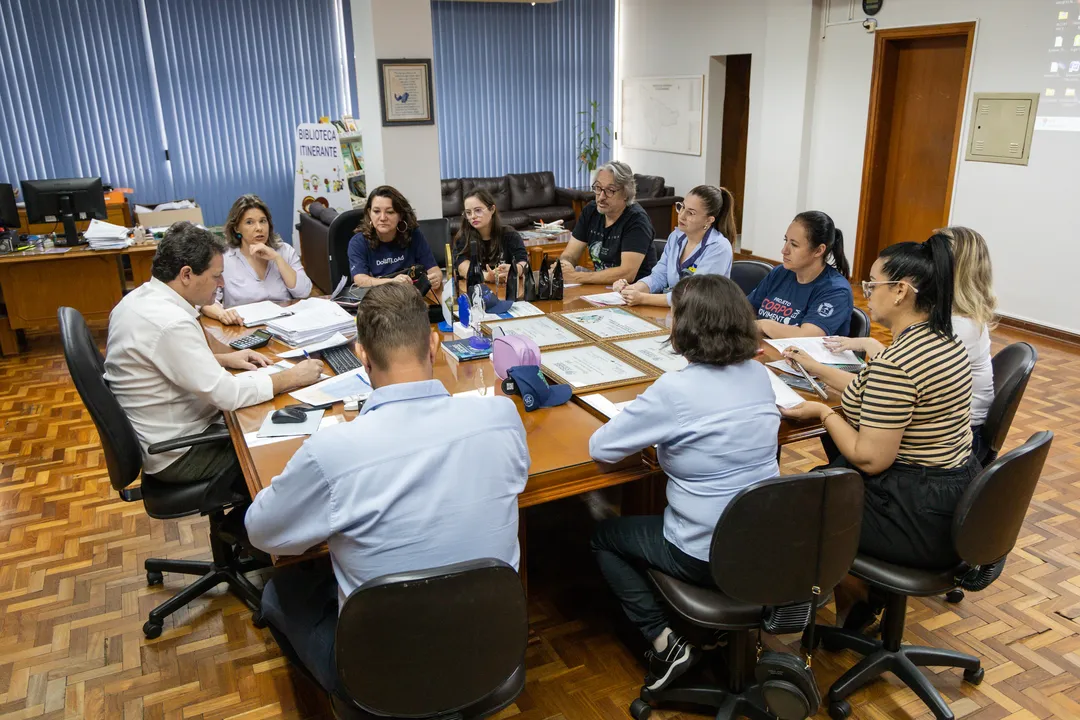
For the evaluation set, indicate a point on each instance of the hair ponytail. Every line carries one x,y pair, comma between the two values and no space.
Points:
719,203
928,267
821,230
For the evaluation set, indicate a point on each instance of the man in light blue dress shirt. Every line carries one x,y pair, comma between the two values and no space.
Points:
418,480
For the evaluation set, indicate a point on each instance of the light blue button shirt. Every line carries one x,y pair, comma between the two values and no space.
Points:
715,430
418,480
714,257
243,285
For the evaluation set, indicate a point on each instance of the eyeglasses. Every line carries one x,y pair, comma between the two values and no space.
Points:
475,212
679,208
606,191
868,286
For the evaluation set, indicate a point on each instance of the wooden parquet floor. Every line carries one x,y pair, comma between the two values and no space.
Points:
73,596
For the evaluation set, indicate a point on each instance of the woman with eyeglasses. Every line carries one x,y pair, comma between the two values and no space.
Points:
388,241
615,229
258,265
700,245
483,235
906,416
809,295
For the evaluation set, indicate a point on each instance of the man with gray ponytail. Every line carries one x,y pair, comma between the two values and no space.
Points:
615,229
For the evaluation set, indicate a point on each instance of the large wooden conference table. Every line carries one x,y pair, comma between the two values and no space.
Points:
558,437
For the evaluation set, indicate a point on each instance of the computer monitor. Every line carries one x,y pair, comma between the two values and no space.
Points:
64,200
9,212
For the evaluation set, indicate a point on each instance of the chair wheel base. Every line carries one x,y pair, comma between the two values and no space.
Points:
954,596
839,710
640,710
974,676
151,629
153,578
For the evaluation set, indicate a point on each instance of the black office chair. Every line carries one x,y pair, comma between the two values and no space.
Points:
162,501
659,244
1013,366
747,274
448,642
766,549
860,324
437,233
985,529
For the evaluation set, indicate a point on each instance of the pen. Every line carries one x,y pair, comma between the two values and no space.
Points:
817,388
306,356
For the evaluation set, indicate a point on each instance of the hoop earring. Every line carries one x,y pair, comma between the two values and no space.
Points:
402,229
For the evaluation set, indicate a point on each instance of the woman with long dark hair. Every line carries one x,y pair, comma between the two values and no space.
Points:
389,241
483,236
906,416
809,295
700,245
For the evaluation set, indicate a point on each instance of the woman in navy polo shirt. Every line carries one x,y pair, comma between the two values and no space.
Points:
389,241
809,295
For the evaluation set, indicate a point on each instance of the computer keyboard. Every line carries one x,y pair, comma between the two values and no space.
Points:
340,359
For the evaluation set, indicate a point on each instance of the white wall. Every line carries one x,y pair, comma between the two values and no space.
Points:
678,37
809,100
405,157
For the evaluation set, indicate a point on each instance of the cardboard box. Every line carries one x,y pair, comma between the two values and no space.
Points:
165,218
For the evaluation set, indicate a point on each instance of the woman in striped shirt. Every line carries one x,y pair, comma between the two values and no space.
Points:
906,423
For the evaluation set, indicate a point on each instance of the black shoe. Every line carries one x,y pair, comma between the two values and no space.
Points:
718,640
666,666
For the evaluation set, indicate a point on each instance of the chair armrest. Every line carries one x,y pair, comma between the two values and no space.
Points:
565,196
653,202
188,441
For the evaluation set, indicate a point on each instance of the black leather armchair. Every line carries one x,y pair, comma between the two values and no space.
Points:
521,198
447,642
324,243
658,200
162,501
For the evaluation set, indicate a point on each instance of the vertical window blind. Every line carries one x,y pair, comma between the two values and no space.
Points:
175,98
510,79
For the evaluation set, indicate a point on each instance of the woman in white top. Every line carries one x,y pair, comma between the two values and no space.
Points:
973,309
258,265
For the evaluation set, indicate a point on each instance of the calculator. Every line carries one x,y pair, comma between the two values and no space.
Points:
249,342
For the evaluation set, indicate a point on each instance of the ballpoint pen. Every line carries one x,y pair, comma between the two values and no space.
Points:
817,388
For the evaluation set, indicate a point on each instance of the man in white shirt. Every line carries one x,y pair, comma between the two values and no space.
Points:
162,371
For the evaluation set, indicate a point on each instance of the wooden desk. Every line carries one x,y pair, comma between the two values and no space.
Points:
558,437
35,285
118,212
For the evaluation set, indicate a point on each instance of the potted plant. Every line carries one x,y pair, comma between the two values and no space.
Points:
592,138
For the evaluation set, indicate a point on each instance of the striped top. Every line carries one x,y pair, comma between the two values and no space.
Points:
922,384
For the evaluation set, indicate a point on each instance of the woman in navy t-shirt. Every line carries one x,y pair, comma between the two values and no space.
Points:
389,241
809,295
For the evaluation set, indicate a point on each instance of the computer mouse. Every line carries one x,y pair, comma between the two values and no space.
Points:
288,415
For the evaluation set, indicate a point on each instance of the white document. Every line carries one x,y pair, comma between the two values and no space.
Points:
815,348
611,322
544,331
99,229
785,396
524,309
601,403
258,313
605,299
656,351
312,320
782,366
340,286
333,341
337,388
268,369
590,365
271,429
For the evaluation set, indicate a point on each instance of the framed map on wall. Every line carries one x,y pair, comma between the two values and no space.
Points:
663,113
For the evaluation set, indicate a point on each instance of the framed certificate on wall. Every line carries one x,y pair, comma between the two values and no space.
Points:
405,92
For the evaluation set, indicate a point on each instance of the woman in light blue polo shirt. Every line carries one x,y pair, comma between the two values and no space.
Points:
810,294
701,244
714,424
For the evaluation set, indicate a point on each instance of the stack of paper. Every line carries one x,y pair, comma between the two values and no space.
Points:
815,348
312,320
785,396
106,236
259,313
605,299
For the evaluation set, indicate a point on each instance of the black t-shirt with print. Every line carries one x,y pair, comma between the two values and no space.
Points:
632,232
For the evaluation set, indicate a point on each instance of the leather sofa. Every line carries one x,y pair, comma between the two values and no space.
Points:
522,199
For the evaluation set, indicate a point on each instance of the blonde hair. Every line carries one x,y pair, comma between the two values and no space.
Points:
973,294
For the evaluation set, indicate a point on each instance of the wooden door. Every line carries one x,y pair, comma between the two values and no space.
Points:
735,128
913,135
